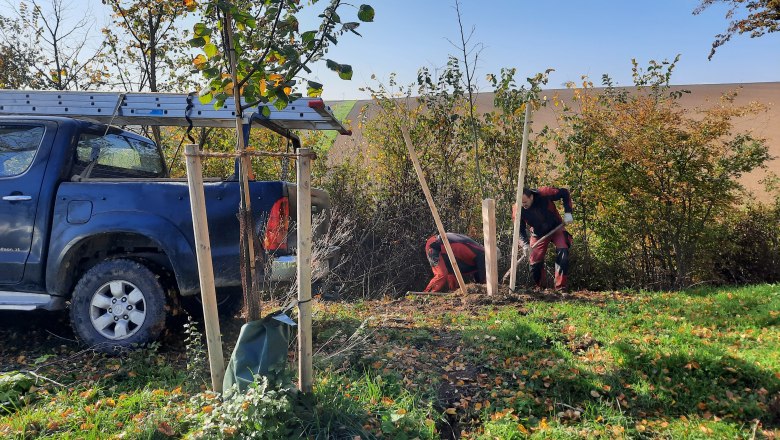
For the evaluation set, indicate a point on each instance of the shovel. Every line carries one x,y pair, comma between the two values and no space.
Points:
523,256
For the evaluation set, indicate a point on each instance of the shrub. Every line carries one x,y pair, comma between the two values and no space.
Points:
650,179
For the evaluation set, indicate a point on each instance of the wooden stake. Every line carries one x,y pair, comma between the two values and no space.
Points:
305,368
208,292
491,254
518,200
432,205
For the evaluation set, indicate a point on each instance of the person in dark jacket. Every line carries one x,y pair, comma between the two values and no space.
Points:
540,214
469,255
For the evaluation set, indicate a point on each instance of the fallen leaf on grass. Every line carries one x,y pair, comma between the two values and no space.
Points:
165,428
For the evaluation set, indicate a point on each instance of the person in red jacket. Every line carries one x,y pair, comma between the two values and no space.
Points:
541,216
469,255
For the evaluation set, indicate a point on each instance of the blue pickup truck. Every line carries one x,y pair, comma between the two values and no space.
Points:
90,220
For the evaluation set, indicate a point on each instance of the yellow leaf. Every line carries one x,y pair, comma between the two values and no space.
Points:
451,411
276,78
522,429
199,61
263,91
207,409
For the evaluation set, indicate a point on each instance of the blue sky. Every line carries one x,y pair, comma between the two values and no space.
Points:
574,37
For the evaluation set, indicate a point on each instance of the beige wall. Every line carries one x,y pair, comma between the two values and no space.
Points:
765,125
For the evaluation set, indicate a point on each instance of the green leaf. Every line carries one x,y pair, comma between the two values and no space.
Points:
345,72
266,111
308,36
201,30
314,90
332,65
281,104
211,72
197,42
210,49
366,13
292,23
206,98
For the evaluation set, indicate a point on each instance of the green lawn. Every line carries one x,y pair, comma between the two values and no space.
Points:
697,364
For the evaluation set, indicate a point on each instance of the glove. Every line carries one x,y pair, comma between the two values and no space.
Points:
526,250
567,218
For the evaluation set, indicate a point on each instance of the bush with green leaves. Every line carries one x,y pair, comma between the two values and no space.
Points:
651,179
262,412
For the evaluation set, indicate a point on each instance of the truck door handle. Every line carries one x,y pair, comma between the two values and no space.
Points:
16,198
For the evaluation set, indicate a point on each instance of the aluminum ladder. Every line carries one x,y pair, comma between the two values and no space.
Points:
165,109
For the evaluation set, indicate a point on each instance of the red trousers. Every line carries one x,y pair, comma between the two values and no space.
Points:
562,242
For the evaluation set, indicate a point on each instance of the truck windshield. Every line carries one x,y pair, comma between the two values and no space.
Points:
116,156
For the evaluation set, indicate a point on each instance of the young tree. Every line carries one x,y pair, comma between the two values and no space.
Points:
147,49
763,17
471,87
65,60
270,50
146,44
254,51
16,58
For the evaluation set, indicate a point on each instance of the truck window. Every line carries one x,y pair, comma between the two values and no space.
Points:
18,145
114,155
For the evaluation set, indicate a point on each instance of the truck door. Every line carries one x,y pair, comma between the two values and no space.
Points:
20,185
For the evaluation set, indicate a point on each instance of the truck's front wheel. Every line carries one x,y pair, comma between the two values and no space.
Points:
116,304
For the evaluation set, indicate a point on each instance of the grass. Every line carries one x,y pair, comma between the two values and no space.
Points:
702,363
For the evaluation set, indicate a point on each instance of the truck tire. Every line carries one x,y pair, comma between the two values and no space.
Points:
118,304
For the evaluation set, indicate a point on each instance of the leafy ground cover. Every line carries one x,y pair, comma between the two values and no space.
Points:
702,363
